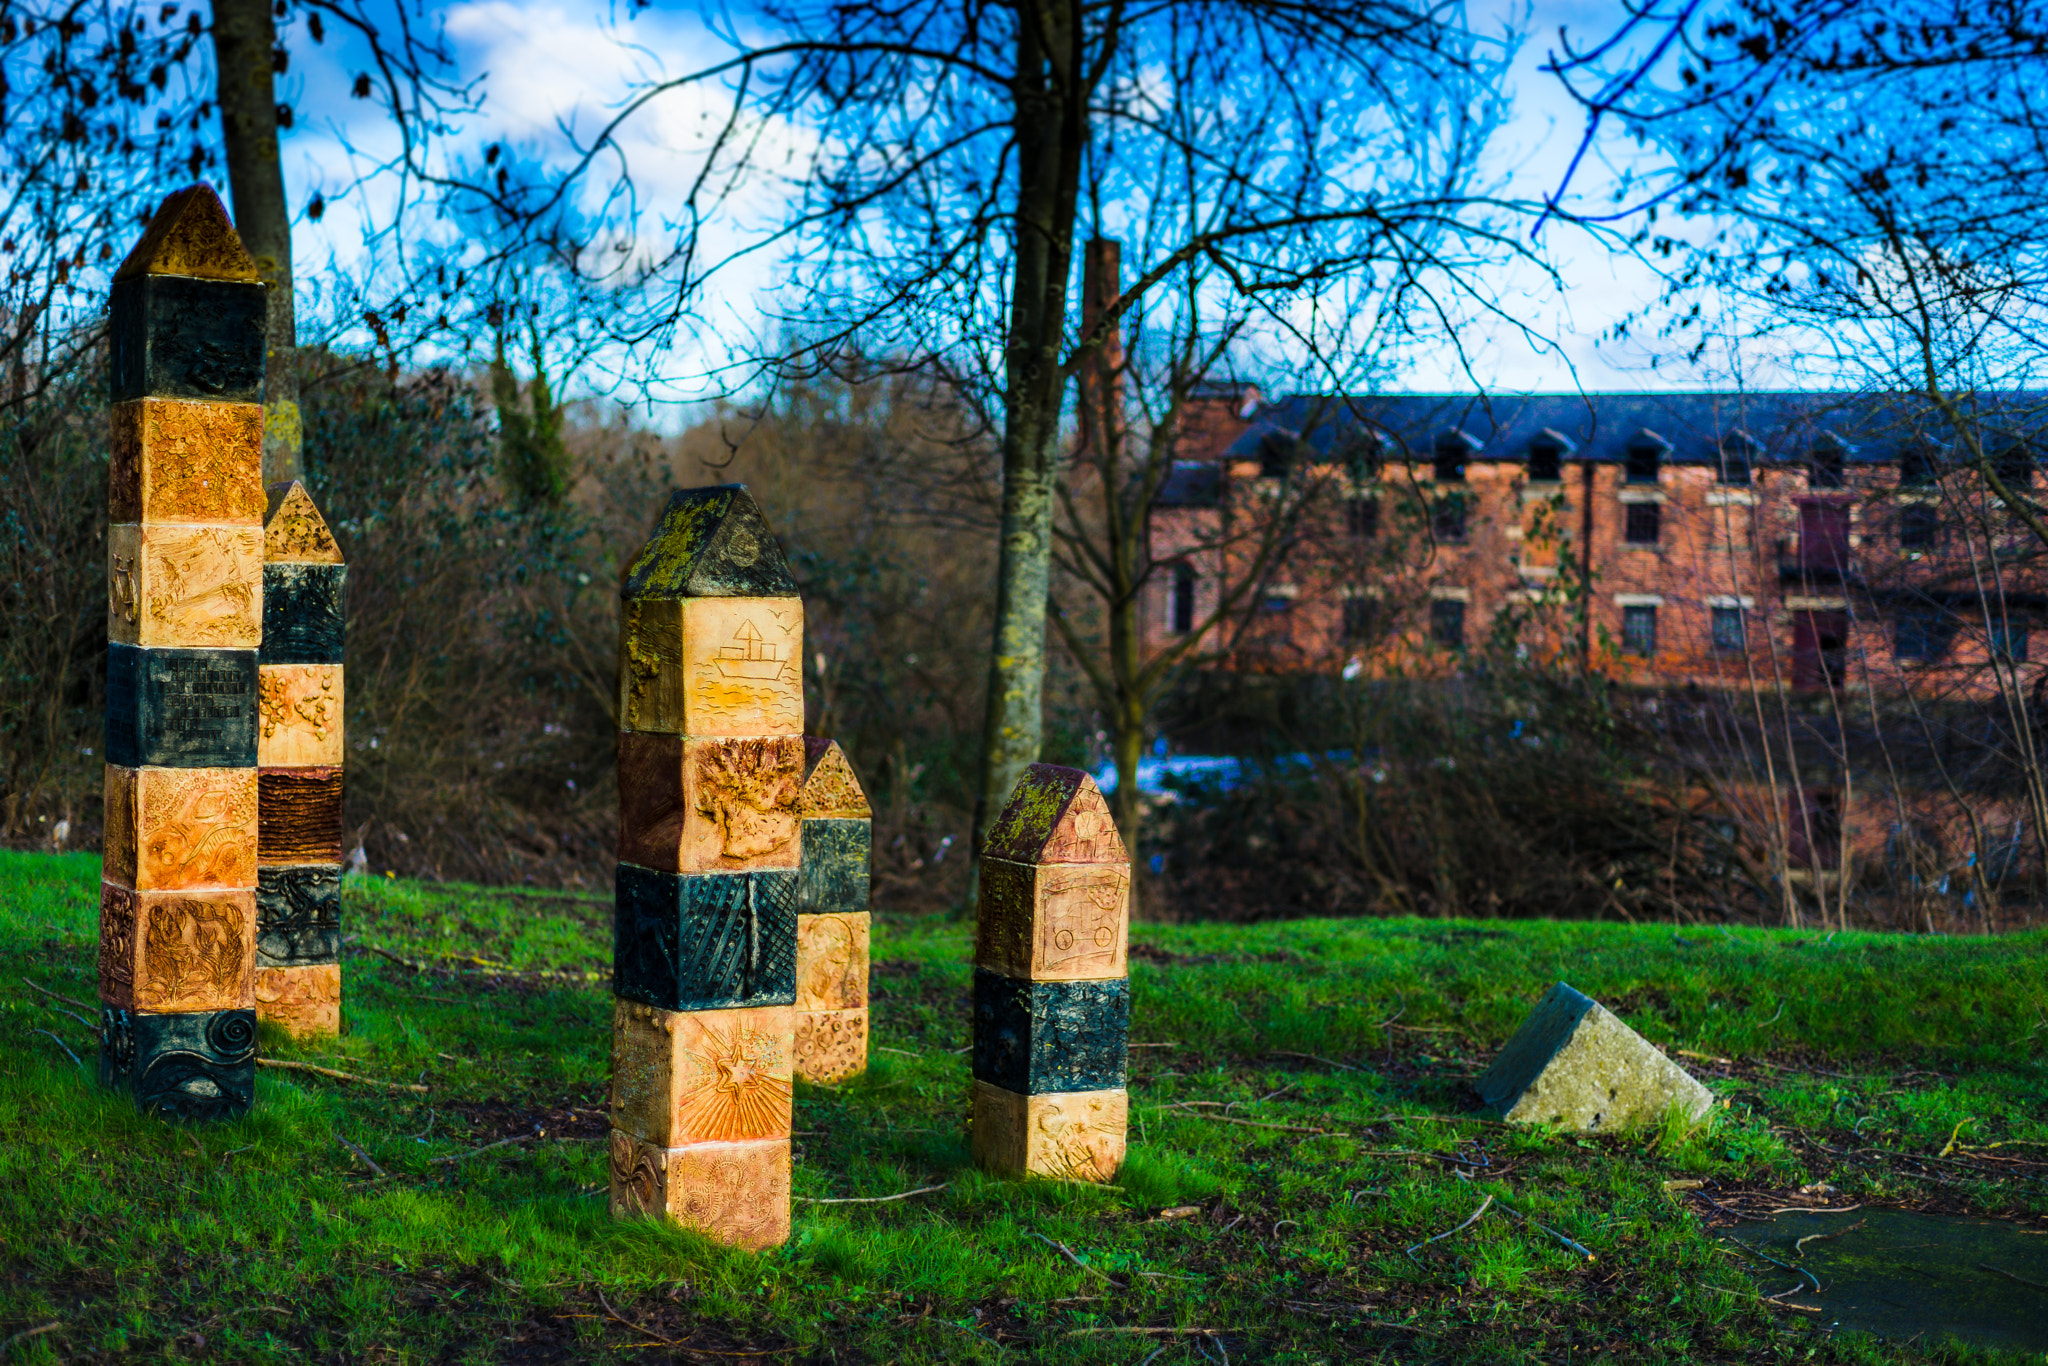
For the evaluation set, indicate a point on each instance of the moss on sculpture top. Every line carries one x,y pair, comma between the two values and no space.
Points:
712,543
1056,815
190,235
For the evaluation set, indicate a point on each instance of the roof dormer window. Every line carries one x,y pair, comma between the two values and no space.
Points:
1646,451
1547,452
1453,449
1739,452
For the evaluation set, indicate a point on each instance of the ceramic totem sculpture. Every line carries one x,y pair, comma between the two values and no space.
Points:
711,764
832,919
1052,997
184,621
299,752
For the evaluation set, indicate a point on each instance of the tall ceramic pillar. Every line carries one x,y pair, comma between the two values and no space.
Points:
1052,995
711,763
299,750
832,919
184,620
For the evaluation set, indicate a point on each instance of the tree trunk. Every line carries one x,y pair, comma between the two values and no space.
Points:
244,39
1050,121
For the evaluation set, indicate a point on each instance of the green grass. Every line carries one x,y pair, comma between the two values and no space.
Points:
1852,1059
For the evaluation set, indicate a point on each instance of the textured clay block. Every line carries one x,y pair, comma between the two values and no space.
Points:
181,708
194,1067
699,806
834,865
299,716
712,666
712,543
1070,1136
1058,922
176,337
305,607
190,587
168,829
299,818
831,1045
736,1193
294,532
298,916
190,234
831,961
305,1001
1575,1065
701,1076
830,787
704,941
176,952
186,462
1034,1037
1055,815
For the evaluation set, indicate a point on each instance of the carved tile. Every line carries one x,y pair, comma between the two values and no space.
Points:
701,1076
835,864
1060,922
713,667
300,710
1071,1136
691,806
830,787
299,817
196,1067
175,337
831,1045
181,708
831,961
1034,1037
736,1193
1055,815
186,462
173,828
298,915
306,1000
305,610
704,941
294,532
193,587
176,952
712,542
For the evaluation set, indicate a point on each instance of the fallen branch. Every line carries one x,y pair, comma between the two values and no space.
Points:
869,1199
1147,1332
1484,1205
52,1326
281,1065
1799,1245
516,1138
1327,1062
67,1000
368,1160
1069,1254
61,1044
2031,1285
386,953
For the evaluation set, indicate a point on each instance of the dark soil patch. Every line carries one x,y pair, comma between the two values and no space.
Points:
491,1120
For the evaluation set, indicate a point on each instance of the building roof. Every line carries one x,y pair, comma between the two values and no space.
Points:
1780,428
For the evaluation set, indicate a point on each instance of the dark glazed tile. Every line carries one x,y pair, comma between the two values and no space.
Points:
305,609
177,337
298,916
834,876
704,941
192,1067
170,708
1033,1038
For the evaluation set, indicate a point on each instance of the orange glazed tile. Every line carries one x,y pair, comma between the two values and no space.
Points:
194,587
681,1077
169,953
709,806
831,1045
172,828
294,532
830,787
305,1000
712,666
832,961
736,1193
181,461
299,716
1070,1136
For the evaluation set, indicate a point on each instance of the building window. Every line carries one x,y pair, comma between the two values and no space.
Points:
1547,450
1639,631
1361,619
1646,451
1922,633
1276,604
1827,462
1183,598
1276,455
1453,449
1919,526
1738,458
1448,519
1918,466
2008,641
1362,518
1642,522
1731,636
1447,623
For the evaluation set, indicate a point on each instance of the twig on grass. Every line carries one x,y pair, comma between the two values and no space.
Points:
1484,1205
1070,1256
1147,1332
1327,1062
869,1199
61,1044
2031,1285
52,1326
368,1160
338,1074
67,1000
386,953
621,1318
1188,1113
516,1138
1799,1245
1570,1245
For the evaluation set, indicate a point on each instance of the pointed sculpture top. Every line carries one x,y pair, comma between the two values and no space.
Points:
293,529
1056,815
190,235
830,787
712,543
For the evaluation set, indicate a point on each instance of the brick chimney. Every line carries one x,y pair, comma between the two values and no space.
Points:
1102,376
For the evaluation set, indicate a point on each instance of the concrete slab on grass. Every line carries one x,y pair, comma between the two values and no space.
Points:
1573,1064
